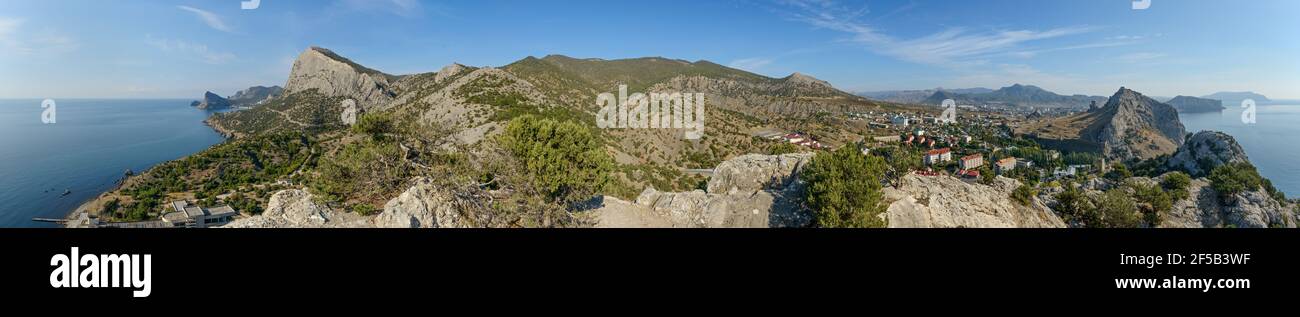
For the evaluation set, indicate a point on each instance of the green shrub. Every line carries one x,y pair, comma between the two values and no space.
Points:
566,160
1176,183
1024,194
1115,209
376,125
844,189
1153,202
1234,178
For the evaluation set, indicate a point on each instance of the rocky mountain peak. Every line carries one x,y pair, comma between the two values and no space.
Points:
448,71
800,78
1132,125
336,76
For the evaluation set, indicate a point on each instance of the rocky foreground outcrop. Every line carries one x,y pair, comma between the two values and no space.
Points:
427,205
761,191
947,202
1206,208
296,208
424,205
1205,151
750,191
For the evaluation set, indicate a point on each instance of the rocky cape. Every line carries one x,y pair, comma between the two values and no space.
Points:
211,101
1186,104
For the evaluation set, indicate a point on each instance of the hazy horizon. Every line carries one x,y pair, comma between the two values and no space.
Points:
180,49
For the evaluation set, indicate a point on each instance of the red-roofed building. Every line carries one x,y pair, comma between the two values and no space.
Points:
938,156
971,162
1006,164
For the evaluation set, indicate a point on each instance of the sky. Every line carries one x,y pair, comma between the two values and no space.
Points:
179,49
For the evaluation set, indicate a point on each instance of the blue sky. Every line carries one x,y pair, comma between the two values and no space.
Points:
161,49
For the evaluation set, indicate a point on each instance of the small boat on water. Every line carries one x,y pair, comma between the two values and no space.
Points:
66,192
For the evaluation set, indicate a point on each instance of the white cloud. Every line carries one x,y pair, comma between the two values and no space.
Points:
750,64
951,47
8,26
42,42
211,19
198,50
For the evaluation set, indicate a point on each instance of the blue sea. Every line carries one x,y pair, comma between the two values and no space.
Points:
1272,142
87,150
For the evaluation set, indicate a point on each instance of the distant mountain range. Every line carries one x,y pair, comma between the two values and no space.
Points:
916,96
1033,96
1235,98
1017,96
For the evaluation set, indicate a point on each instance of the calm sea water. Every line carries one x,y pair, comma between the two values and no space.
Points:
1273,142
87,150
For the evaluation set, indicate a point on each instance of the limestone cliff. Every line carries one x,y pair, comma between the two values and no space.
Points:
335,76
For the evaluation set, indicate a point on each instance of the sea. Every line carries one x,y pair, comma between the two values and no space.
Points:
1272,141
47,170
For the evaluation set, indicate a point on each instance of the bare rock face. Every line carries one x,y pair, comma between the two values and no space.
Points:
295,208
751,191
947,202
754,172
426,205
1206,208
448,71
1131,125
335,76
1205,151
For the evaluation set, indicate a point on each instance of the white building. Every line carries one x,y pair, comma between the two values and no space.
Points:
899,120
185,215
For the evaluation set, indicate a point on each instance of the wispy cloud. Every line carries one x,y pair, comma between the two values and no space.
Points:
43,42
9,26
403,8
211,19
750,64
200,51
955,46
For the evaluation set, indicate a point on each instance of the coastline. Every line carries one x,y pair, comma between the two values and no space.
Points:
89,205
